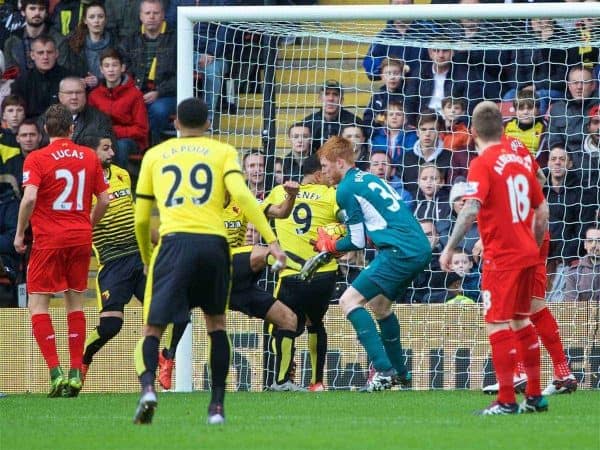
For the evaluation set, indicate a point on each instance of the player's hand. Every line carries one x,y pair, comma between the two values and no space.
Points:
291,188
446,259
325,243
19,244
279,255
150,97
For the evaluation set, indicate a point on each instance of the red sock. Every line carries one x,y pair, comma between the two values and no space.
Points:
76,323
43,331
519,366
547,329
530,352
503,357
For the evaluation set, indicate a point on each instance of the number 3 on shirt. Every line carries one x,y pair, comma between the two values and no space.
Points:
198,173
518,194
386,193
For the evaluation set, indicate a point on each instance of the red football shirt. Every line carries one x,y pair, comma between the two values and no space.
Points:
502,180
66,175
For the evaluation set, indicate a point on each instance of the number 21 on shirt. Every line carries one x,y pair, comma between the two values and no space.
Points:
61,203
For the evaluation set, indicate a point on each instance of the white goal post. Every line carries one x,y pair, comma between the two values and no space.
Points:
265,15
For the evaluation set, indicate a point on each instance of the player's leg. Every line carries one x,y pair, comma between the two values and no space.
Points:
220,358
43,331
146,362
317,347
547,329
389,329
166,357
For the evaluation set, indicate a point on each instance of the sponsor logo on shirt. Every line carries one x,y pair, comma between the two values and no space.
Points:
471,188
26,175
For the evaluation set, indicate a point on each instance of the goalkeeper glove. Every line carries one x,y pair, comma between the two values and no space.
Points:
325,243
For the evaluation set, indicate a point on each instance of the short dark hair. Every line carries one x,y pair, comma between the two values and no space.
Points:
26,3
192,113
525,97
92,140
311,165
13,100
44,39
30,122
58,120
428,116
455,101
111,53
299,125
250,153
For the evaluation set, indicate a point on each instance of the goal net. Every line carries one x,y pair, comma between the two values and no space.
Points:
377,75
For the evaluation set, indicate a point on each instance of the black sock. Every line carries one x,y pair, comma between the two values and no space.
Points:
284,344
220,358
321,350
178,330
147,350
107,328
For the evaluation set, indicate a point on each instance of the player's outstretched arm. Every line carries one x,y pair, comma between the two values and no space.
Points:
284,209
99,208
25,211
465,219
540,222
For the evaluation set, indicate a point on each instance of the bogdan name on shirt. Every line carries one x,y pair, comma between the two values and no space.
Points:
67,153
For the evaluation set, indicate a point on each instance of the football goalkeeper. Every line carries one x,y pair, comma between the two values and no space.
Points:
374,210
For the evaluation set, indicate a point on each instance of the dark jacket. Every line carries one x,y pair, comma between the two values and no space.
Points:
566,124
123,17
583,282
323,129
445,228
66,16
9,212
165,81
40,90
91,121
292,169
16,52
78,62
438,208
412,56
374,115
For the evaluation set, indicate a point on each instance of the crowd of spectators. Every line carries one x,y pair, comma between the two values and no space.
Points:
113,64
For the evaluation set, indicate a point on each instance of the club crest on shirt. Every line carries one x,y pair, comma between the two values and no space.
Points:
26,174
105,295
471,188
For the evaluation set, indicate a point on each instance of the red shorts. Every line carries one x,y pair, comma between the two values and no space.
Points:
58,269
506,294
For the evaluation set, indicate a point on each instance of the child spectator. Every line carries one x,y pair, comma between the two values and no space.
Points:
445,227
13,113
470,277
455,135
527,126
118,97
432,197
356,135
396,138
392,74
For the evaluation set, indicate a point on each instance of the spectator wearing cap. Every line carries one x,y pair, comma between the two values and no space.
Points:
582,282
445,227
330,118
379,165
566,123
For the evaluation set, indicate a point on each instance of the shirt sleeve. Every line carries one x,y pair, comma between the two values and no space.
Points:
478,183
32,175
101,181
355,238
145,187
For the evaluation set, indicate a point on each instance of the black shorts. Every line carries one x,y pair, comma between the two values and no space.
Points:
187,270
246,296
309,298
118,280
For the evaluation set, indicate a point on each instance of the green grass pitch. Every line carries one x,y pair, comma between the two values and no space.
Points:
331,420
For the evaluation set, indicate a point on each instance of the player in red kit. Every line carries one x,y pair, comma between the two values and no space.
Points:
59,181
506,198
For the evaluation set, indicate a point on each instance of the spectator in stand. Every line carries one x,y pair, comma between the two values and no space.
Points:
566,123
356,135
84,47
397,137
564,195
430,285
470,277
446,226
541,69
29,137
119,98
19,46
253,165
430,149
13,113
278,171
492,66
582,282
152,60
39,85
392,74
438,79
379,165
456,136
87,120
67,14
123,18
527,125
588,159
9,259
11,20
431,201
328,120
586,30
4,83
300,139
396,30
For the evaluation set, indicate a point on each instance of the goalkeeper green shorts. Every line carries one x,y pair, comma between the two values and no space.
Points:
389,274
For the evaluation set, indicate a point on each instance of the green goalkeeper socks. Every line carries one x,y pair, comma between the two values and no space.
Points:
390,336
369,338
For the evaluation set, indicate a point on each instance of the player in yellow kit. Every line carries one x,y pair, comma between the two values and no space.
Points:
187,178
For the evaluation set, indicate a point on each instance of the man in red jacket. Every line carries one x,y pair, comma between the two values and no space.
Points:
118,97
